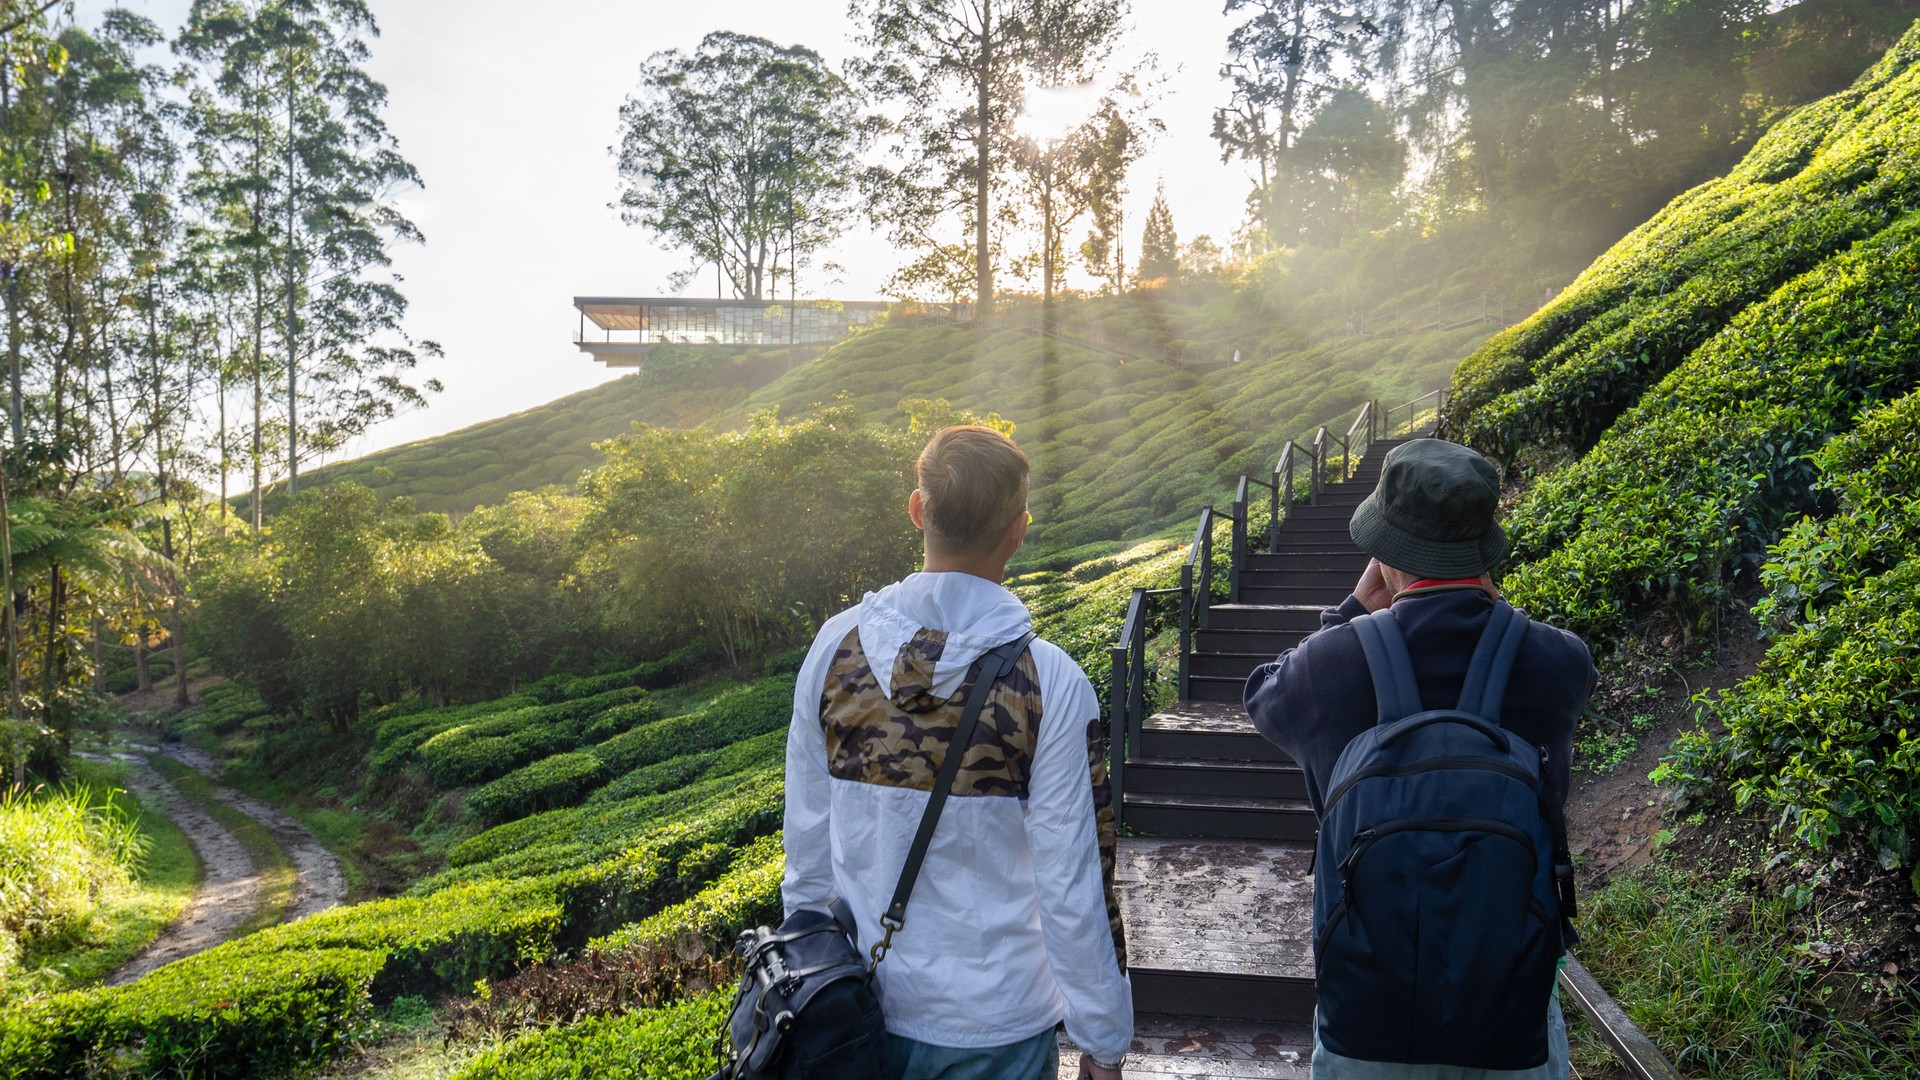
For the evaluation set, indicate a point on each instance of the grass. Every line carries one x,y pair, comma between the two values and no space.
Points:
128,916
1704,967
270,862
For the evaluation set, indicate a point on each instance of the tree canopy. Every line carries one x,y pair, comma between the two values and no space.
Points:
741,152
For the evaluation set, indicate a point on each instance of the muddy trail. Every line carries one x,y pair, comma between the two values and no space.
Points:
231,889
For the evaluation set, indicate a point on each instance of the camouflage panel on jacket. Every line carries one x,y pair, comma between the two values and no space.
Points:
900,739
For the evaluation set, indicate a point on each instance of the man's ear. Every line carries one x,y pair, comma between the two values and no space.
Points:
915,511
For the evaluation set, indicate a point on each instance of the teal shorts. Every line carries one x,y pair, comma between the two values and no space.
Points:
1037,1058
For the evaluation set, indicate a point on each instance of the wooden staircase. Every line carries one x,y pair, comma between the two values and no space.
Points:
1214,872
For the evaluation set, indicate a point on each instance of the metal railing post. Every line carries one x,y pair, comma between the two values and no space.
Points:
1117,721
1186,623
1238,554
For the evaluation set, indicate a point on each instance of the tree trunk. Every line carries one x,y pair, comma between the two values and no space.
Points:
983,162
142,673
16,715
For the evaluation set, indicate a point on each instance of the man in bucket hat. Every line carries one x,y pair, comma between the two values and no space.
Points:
1430,527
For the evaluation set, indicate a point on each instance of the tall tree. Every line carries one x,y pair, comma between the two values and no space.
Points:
1061,177
1283,58
1159,244
956,75
742,152
304,175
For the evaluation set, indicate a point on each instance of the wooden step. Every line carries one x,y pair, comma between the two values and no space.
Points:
1264,617
1304,574
1218,928
1215,730
1240,816
1314,538
1218,688
1238,664
1169,1047
1349,560
1270,643
1322,596
1218,776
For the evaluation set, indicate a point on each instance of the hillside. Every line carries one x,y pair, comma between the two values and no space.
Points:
1133,412
552,443
1723,410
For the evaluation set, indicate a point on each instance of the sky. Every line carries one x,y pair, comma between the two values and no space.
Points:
507,109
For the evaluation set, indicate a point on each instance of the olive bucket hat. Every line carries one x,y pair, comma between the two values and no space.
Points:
1433,512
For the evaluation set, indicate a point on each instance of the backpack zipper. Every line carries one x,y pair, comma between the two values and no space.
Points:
1366,838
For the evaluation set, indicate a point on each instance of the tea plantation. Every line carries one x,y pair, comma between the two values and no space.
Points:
613,818
1727,399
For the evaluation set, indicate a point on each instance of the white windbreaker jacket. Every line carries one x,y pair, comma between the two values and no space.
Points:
1007,931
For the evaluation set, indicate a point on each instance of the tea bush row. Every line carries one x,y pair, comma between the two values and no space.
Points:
1698,478
1827,733
679,1042
1835,174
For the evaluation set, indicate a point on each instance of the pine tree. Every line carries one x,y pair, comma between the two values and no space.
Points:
1159,244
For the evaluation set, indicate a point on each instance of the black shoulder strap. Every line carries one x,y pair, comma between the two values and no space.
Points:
1395,689
993,667
1486,686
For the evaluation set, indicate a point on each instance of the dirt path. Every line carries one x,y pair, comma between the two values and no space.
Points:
321,883
230,889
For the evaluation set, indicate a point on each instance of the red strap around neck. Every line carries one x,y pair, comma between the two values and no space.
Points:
1428,583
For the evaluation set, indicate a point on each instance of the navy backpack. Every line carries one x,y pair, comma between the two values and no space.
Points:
1443,889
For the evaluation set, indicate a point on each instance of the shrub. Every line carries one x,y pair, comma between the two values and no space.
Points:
748,894
680,1042
1828,731
58,851
727,719
559,780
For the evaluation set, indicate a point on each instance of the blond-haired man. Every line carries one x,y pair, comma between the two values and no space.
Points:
1011,926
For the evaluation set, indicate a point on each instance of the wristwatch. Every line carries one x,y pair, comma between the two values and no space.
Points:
1115,1064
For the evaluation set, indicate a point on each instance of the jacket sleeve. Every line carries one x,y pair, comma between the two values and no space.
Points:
1278,690
1073,886
807,833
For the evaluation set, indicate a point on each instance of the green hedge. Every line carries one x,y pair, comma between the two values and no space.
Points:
748,894
491,746
727,719
232,1013
681,1042
560,780
753,754
1834,174
1827,733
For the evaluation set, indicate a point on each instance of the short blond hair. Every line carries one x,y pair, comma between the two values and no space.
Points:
973,483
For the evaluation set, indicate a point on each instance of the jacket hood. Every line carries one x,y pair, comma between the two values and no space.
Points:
922,633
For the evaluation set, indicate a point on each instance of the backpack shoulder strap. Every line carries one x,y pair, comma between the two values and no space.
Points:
1486,685
1394,688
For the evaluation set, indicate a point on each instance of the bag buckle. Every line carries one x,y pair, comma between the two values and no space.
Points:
879,950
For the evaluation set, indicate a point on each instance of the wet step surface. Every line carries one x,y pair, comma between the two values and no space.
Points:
1170,1047
1239,907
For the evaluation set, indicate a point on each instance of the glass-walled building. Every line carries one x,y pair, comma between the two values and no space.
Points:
618,330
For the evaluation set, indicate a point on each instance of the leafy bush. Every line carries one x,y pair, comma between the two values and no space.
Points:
59,851
728,719
559,780
680,1042
1834,174
1828,731
225,1013
748,894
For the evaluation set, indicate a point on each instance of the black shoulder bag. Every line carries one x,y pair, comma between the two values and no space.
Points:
806,1005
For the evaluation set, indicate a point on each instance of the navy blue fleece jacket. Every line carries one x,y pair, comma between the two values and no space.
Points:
1318,695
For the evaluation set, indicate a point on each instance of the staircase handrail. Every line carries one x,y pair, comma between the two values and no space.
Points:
1282,493
1359,438
1413,411
1127,690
